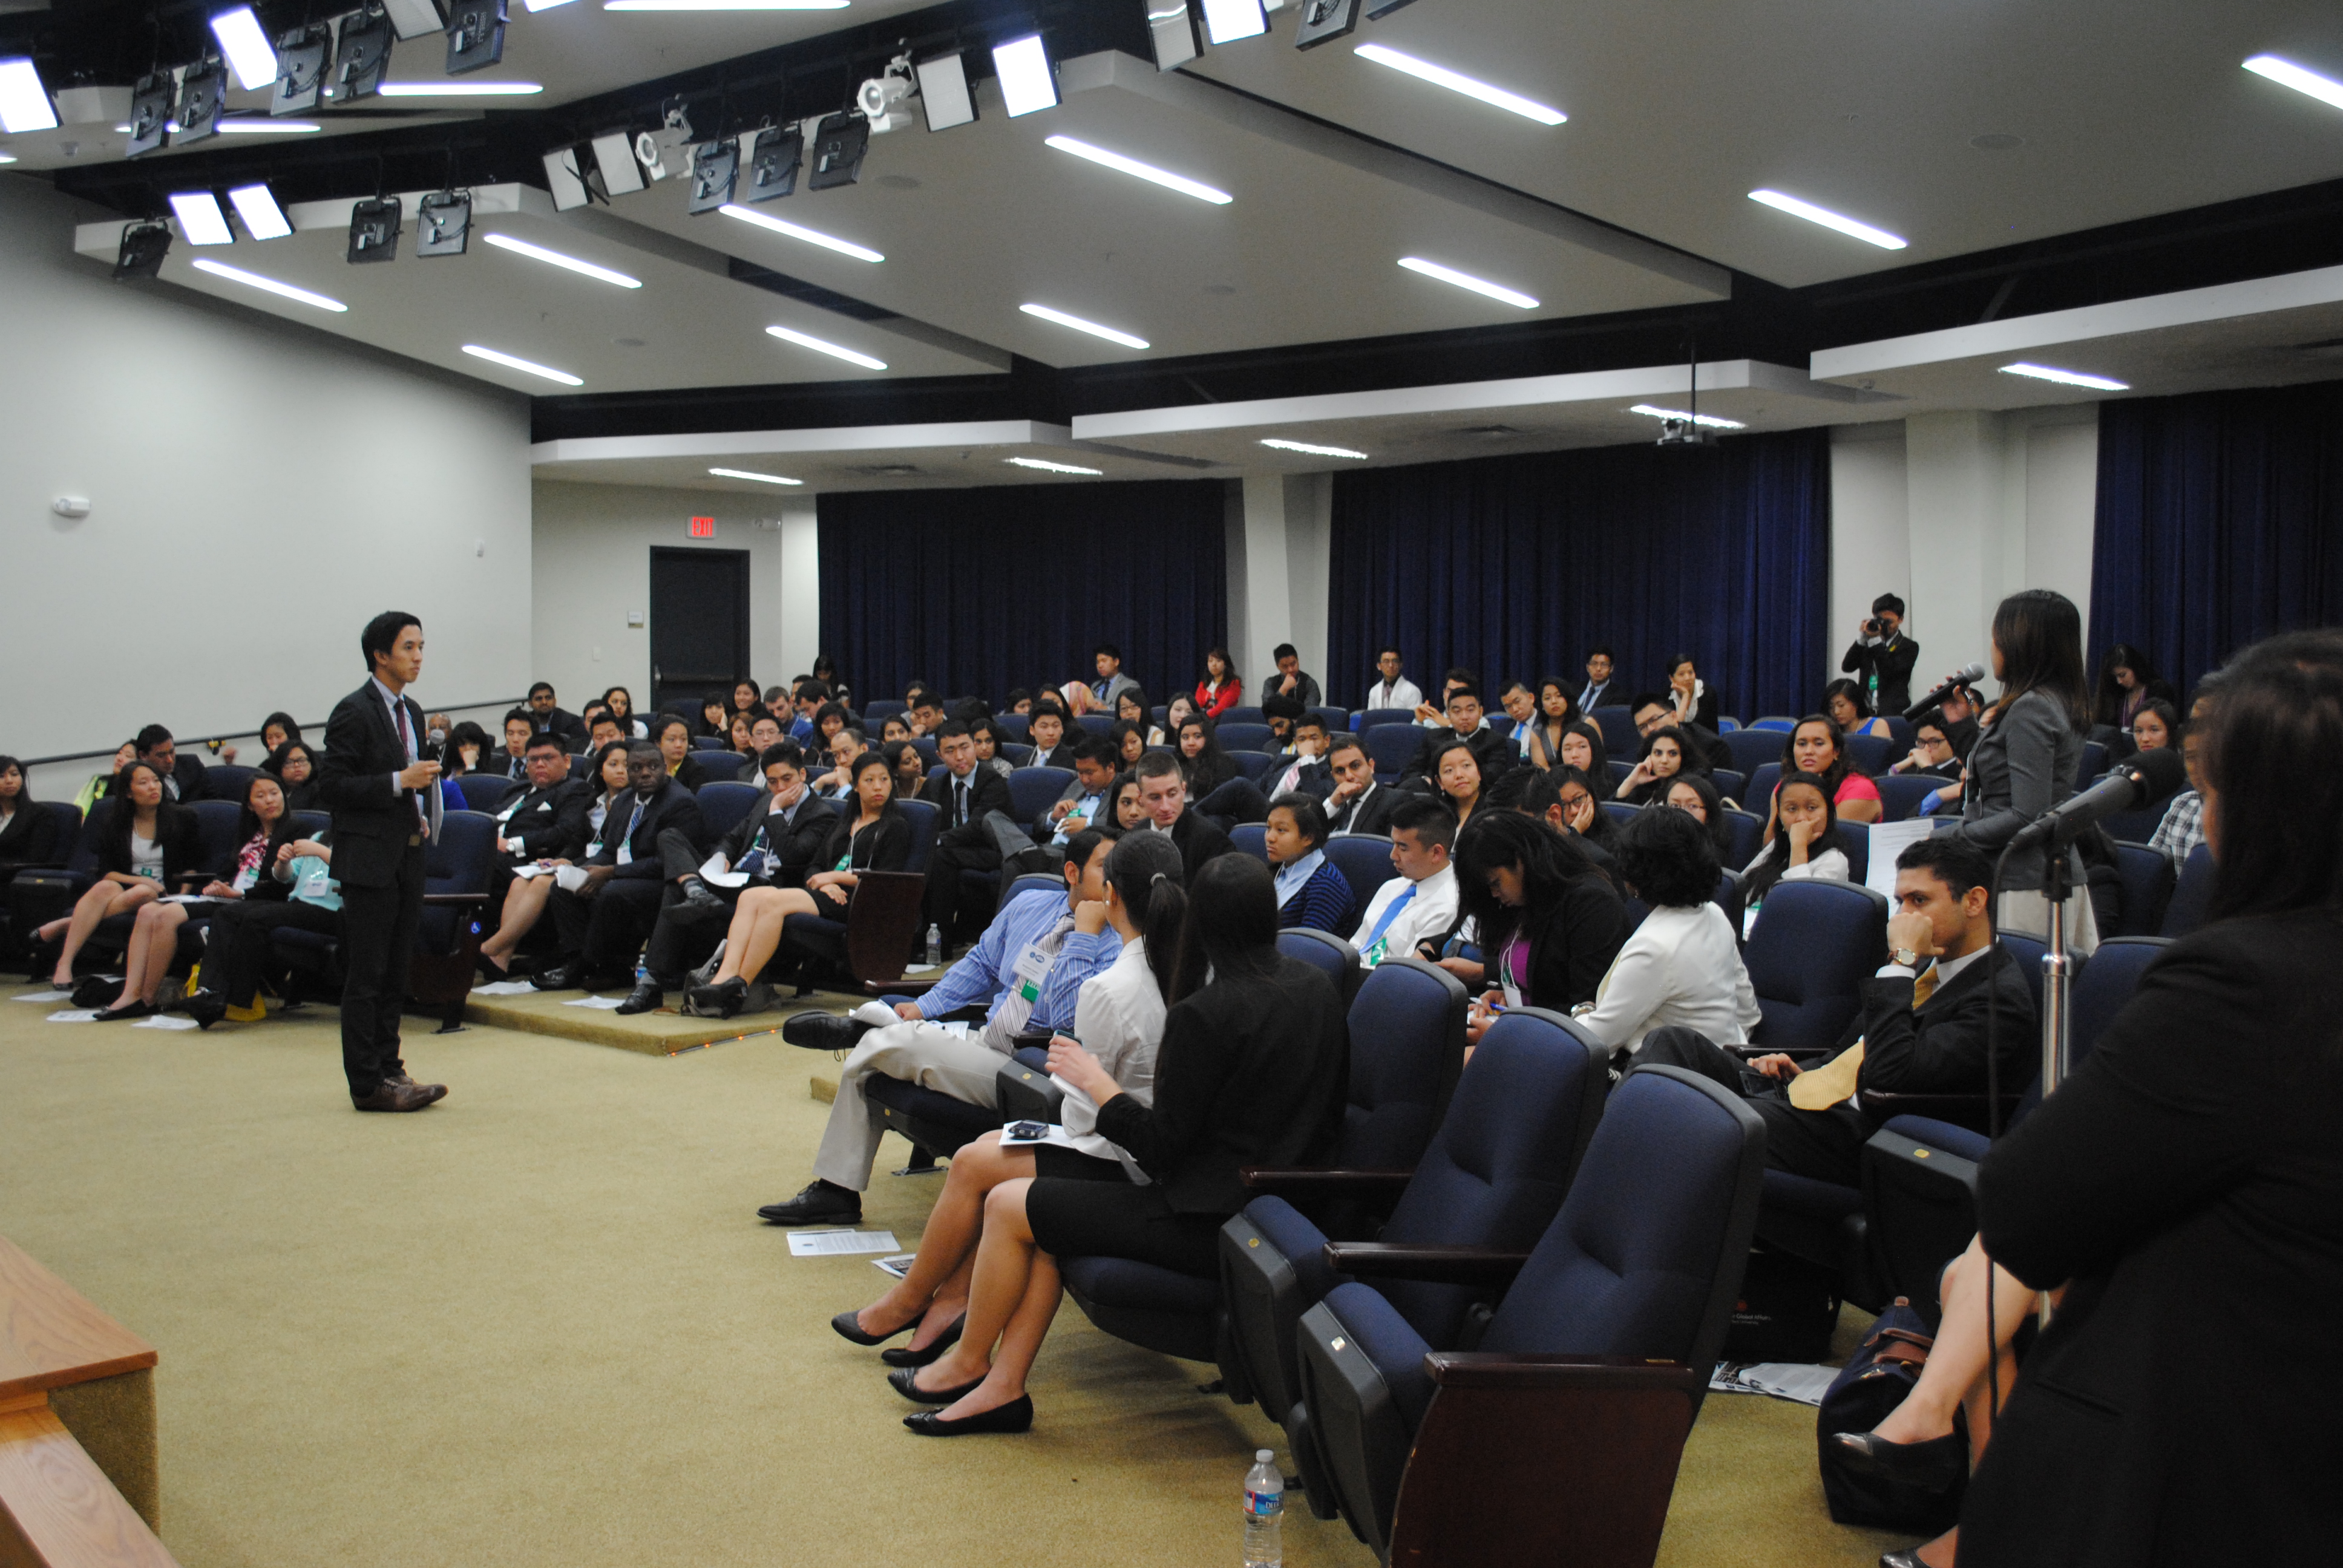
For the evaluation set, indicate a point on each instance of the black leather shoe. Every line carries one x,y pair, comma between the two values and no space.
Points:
819,1204
852,1331
490,970
438,1091
644,998
207,1008
96,991
127,1010
902,1379
699,904
722,1000
1017,1415
560,977
904,1356
1934,1464
824,1031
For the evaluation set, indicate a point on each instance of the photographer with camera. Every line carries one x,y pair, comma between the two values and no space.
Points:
1882,657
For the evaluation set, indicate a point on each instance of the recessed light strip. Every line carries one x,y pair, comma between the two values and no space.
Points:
807,341
760,479
1163,178
1498,291
527,365
1078,325
2287,74
262,127
1050,468
720,6
553,257
1828,219
2066,377
1710,420
810,236
1457,82
458,89
1314,451
254,280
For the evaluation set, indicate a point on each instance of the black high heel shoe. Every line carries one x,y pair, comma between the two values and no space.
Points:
1017,1415
905,1356
903,1381
1934,1464
848,1329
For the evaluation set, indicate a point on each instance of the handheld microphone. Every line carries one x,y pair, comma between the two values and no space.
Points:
2139,779
434,745
1967,675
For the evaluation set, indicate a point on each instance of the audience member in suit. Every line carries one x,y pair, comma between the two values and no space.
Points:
548,820
550,719
673,736
828,720
1130,707
301,894
1881,657
604,923
1251,1072
872,835
773,845
511,760
1311,889
1098,695
1130,812
1581,802
1164,793
963,795
1695,701
1084,803
1354,802
1289,680
1556,711
184,778
736,730
1130,742
716,717
986,734
1281,713
1046,730
1668,752
1922,1028
838,781
1548,922
263,826
1493,750
1596,692
1304,771
385,806
294,767
1220,689
28,830
145,844
1655,710
747,697
1394,689
1207,766
1418,906
1683,964
602,729
1932,751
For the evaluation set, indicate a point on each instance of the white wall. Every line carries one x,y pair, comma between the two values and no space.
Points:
592,567
1871,551
1279,529
257,492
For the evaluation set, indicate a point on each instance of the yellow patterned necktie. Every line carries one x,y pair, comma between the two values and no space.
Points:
1834,1081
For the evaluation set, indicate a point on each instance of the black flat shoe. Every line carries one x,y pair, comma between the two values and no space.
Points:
1934,1464
135,1009
722,1000
902,1381
93,991
492,971
848,1329
904,1356
1017,1415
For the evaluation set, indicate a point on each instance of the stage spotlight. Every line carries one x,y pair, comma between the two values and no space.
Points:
1171,29
263,218
476,35
246,47
301,58
374,229
943,91
200,218
362,58
24,99
413,19
144,246
202,92
1231,21
715,170
773,162
839,144
566,180
614,156
150,112
1324,21
443,223
1029,81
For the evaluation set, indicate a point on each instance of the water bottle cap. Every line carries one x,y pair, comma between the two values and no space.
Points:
1264,1454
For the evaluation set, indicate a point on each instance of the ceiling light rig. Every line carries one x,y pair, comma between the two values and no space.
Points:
1311,449
2287,74
1133,167
1457,82
1111,334
2066,377
749,474
1049,467
1705,421
1481,285
1797,207
527,367
821,345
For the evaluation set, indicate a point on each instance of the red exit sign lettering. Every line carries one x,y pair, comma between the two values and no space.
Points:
703,528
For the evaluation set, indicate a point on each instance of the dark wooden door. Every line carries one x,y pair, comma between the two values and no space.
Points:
700,625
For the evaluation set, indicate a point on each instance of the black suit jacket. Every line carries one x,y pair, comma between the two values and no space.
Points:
1059,756
1893,659
1941,1048
1317,779
690,774
1494,748
542,822
1198,838
561,723
1594,696
503,764
1370,813
670,806
373,818
191,781
795,844
1572,943
174,830
987,791
30,836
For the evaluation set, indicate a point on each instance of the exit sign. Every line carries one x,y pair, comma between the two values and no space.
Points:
703,528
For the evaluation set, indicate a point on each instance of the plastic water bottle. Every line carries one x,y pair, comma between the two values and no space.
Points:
935,946
1264,1507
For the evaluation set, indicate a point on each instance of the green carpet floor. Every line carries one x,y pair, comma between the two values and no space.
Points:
537,1325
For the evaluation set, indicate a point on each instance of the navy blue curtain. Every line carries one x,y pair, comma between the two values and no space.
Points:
1514,567
2219,521
981,590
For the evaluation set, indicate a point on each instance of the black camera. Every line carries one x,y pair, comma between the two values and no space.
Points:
1871,628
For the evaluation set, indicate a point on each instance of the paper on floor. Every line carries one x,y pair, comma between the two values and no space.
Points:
603,1003
900,1266
504,987
839,1243
166,1021
75,1015
1794,1380
44,995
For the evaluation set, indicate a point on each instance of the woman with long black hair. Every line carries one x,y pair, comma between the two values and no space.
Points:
2126,680
144,845
1548,922
1668,754
1557,711
28,832
263,826
1206,766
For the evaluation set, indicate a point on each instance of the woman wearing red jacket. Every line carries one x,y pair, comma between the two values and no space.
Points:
1220,690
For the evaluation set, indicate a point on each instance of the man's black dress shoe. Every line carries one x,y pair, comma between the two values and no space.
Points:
849,1330
824,1031
1017,1415
819,1204
1934,1464
438,1091
699,904
646,996
560,977
207,1008
902,1379
904,1356
722,1000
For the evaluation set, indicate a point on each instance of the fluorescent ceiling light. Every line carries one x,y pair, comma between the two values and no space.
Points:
1228,21
1513,296
1163,178
263,218
760,479
1456,81
530,367
254,280
1049,467
715,5
1710,420
805,340
458,89
247,46
2066,377
200,218
1828,219
2287,74
263,127
1314,451
1026,81
24,102
506,242
1078,325
7,157
810,236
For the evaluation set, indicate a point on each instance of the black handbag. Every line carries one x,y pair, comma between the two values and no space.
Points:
1873,1381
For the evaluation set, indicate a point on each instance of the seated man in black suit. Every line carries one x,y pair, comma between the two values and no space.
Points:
1493,748
512,761
964,793
1281,713
772,845
1289,680
1922,1028
1354,802
834,773
601,730
551,719
530,824
1652,711
1164,796
1047,730
1084,803
603,921
1303,768
184,778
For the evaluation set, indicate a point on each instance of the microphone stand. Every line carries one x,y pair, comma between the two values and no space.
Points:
2057,982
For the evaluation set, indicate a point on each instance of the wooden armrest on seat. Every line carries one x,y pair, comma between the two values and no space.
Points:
1437,1265
1304,1182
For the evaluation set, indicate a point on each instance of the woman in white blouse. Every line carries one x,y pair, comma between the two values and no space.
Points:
1682,965
1118,1019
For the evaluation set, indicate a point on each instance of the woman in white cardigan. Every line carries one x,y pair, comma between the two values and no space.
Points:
1682,966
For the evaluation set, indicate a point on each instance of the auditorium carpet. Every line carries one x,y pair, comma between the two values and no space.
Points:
538,1325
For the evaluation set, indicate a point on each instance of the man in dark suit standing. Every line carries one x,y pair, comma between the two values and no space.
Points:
385,800
1882,657
963,793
